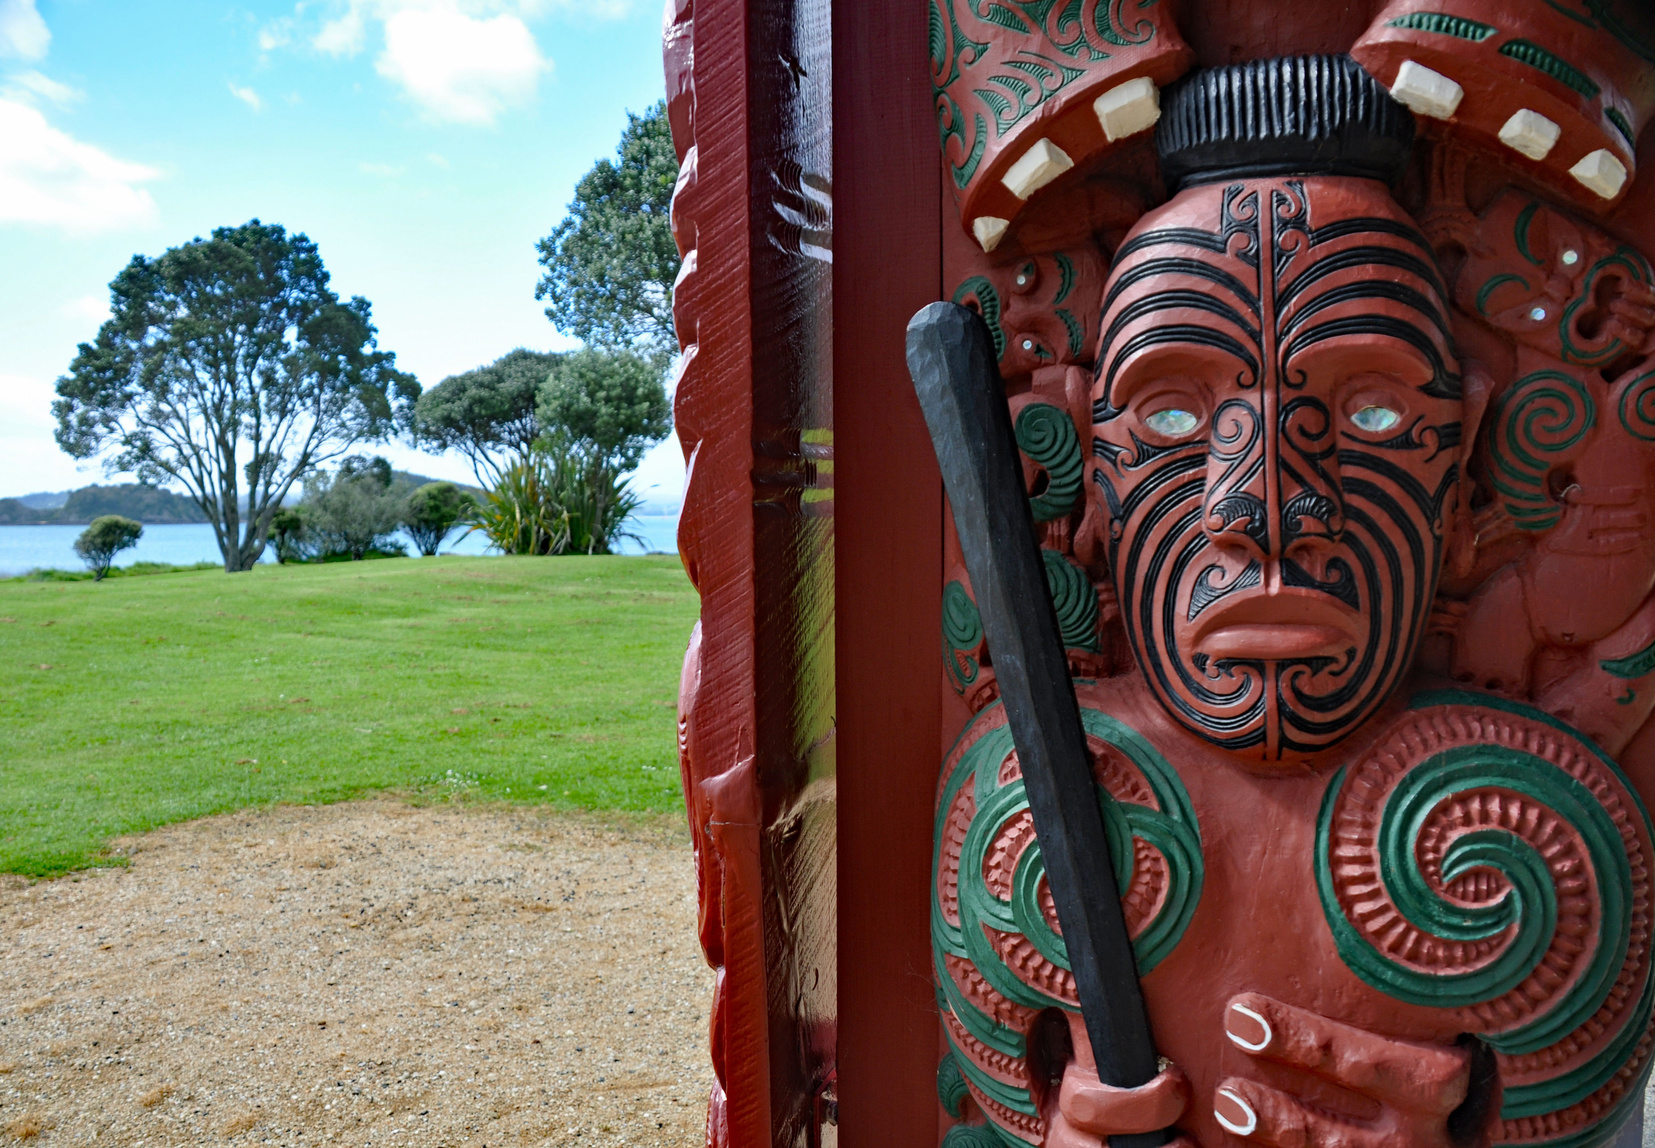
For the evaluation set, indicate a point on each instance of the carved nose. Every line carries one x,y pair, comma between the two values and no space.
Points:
1239,522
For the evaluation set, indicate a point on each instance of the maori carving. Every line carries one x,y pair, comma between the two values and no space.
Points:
1233,440
1015,112
1359,586
998,946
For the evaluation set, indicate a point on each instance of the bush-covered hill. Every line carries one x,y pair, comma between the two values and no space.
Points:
147,504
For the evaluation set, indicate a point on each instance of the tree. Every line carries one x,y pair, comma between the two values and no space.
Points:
103,539
487,414
432,511
287,533
227,361
612,406
610,265
355,510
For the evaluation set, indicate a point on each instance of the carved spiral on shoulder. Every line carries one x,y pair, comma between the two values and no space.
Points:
999,954
1487,860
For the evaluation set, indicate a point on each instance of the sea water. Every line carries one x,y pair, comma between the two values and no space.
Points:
25,548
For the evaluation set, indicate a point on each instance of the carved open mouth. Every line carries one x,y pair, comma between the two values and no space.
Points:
1289,623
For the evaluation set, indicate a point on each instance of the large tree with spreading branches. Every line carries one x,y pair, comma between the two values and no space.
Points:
610,265
228,365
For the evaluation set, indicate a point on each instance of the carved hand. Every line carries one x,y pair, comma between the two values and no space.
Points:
1415,1085
1087,1111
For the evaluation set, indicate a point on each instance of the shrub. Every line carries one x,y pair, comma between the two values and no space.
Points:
104,538
353,511
432,511
559,500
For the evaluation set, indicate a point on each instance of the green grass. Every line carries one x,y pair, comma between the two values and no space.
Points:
135,702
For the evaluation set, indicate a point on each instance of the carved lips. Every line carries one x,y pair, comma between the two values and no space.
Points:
1290,624
1276,421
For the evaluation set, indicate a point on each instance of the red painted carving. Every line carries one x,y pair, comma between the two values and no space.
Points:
1372,706
1348,450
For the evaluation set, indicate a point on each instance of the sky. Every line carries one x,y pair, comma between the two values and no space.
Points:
424,145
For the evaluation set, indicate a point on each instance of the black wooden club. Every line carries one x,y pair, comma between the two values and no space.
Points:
959,388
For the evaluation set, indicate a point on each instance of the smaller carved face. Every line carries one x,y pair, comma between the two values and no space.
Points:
1277,431
1558,285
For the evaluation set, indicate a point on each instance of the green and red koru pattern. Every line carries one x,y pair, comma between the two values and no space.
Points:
1485,859
1000,958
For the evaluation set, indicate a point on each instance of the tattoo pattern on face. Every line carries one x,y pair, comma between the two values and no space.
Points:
1276,428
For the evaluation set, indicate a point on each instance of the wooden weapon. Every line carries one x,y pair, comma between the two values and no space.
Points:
959,388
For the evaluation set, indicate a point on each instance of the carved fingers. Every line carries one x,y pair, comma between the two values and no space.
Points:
1090,1111
1416,1085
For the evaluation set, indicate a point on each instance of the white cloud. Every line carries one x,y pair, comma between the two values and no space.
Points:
23,34
276,34
460,61
460,69
29,85
92,308
342,36
438,161
247,96
384,170
49,178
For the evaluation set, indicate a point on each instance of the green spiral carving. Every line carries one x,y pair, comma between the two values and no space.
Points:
978,1136
1530,908
987,299
1543,416
962,633
1075,599
1171,829
1047,435
951,1089
1637,407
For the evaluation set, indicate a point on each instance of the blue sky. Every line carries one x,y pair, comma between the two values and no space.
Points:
423,144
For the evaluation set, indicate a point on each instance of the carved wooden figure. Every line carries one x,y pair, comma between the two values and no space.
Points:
1327,338
1367,534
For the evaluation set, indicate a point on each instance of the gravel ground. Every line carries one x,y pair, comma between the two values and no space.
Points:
367,973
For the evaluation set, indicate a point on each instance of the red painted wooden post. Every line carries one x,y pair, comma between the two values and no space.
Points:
887,250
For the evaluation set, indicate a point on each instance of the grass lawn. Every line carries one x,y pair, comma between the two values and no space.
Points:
138,701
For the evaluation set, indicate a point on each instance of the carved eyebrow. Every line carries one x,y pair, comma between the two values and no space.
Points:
1106,408
1444,383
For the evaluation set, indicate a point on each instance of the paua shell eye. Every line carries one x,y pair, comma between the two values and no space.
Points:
1374,419
1172,422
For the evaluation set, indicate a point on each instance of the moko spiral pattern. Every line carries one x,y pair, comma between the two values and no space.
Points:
1000,958
1485,859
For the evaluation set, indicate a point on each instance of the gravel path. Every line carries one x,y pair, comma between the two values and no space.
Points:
367,973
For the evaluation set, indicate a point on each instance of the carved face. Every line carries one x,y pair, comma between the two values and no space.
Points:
1277,441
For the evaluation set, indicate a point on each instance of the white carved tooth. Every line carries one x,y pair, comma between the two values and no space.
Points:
1601,171
1530,133
1129,108
1426,92
1035,168
1269,1033
989,230
1246,1129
